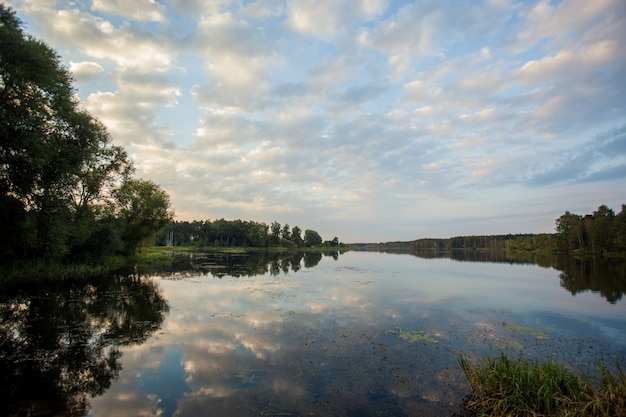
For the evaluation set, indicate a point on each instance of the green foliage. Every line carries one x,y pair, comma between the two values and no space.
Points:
59,171
312,238
143,209
501,387
522,242
597,233
235,233
296,236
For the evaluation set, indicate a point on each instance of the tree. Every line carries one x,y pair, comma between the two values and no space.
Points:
569,229
296,236
275,232
143,209
599,227
257,235
619,234
59,171
35,101
285,233
312,238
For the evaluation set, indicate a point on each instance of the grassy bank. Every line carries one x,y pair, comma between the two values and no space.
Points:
500,386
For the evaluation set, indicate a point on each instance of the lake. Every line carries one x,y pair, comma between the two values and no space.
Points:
351,334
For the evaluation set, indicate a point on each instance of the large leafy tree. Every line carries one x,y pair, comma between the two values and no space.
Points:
619,238
296,236
570,231
58,167
312,238
143,209
599,227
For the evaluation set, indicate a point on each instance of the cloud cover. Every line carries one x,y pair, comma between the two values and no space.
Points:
370,120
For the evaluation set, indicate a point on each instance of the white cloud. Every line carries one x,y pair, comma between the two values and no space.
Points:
407,36
144,10
367,117
85,69
129,112
326,19
481,116
237,58
569,62
98,38
560,25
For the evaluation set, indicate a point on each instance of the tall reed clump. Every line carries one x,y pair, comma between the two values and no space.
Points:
504,387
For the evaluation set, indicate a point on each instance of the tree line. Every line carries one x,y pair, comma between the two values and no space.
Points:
66,192
239,233
527,241
598,233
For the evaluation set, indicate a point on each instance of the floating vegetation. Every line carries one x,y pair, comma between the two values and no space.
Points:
538,334
414,336
508,344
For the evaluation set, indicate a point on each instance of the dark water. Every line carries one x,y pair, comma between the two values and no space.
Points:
356,334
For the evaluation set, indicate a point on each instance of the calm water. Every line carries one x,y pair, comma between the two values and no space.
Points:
356,334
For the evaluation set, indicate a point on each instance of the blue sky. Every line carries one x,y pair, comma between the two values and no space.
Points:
369,120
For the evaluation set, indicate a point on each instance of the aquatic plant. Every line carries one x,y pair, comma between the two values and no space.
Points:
500,386
413,336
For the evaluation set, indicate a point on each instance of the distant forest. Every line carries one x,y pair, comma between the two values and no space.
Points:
527,242
599,233
239,233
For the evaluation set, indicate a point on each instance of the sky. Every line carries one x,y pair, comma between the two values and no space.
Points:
369,120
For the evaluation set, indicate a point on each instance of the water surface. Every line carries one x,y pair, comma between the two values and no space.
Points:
356,334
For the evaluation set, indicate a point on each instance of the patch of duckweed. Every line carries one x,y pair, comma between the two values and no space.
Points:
413,336
508,344
537,333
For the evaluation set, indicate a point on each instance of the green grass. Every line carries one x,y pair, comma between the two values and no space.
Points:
500,386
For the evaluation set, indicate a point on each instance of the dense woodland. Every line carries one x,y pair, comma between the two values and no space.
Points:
599,233
66,192
239,233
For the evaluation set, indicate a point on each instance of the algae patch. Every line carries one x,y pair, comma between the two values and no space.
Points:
413,336
536,333
508,344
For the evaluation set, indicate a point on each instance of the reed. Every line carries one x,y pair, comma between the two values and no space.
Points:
500,386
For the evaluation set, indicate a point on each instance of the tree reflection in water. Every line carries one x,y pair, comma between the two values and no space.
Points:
59,341
607,277
220,264
603,276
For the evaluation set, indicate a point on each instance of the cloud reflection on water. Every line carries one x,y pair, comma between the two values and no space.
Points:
325,340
